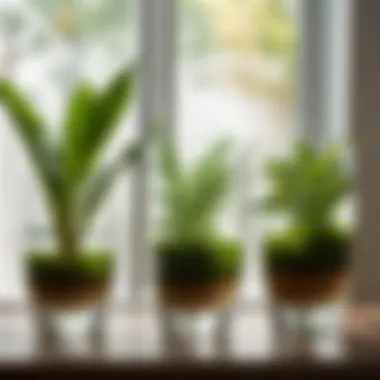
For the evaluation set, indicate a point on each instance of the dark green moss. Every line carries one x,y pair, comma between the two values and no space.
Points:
293,251
85,268
191,263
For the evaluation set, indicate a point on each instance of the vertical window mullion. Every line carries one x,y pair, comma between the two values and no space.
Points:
324,67
156,85
314,58
166,65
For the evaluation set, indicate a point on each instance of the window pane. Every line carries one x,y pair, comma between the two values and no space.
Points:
45,47
237,78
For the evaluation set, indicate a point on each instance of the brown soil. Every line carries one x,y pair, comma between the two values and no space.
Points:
307,289
69,296
196,297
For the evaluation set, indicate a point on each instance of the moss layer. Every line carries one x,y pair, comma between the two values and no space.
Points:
85,268
295,252
196,263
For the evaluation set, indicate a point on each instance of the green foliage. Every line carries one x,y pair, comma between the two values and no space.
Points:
297,252
91,121
195,263
190,251
193,198
308,186
32,131
97,186
73,178
85,268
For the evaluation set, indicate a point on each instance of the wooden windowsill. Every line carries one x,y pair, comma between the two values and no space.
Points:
134,343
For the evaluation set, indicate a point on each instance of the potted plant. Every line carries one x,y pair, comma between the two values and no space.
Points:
75,180
198,266
307,263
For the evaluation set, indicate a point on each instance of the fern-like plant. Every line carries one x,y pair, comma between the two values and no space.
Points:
191,248
308,186
192,198
73,175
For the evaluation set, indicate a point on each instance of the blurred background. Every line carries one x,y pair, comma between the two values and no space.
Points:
234,68
235,76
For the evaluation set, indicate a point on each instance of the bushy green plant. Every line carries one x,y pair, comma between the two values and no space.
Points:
190,248
194,263
84,268
296,252
71,170
308,187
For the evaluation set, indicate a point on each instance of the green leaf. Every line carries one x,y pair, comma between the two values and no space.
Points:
192,198
104,117
308,185
98,186
210,181
69,172
174,187
31,128
77,123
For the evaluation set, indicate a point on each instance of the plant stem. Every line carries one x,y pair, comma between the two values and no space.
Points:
67,236
68,243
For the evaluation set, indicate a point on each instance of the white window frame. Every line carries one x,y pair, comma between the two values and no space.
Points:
325,34
157,105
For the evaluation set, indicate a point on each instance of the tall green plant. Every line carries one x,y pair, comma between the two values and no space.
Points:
71,171
308,186
192,197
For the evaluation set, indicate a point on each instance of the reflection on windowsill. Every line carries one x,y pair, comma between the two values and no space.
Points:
139,335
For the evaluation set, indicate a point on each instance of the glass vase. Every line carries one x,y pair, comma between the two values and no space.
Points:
308,315
69,315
